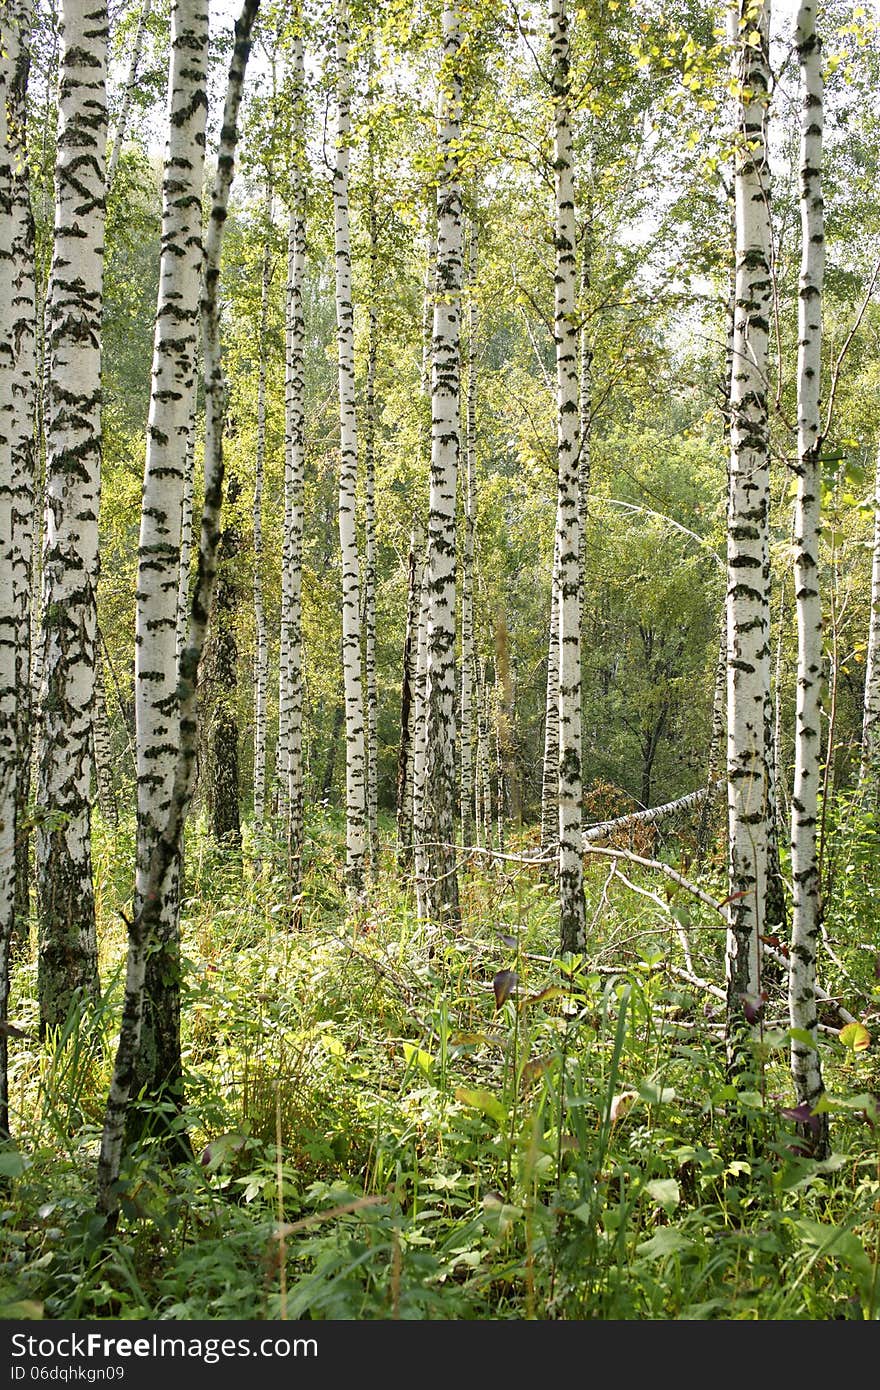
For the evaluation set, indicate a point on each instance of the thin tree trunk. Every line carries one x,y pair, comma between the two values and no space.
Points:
807,907
101,750
157,1063
186,523
572,914
9,627
23,325
416,570
128,92
441,876
466,700
869,769
145,927
225,731
748,562
68,959
355,748
550,777
261,657
372,695
290,694
413,731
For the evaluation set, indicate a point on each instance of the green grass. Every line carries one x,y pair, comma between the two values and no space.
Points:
378,1137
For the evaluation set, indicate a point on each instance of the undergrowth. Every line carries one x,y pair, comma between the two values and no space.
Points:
394,1122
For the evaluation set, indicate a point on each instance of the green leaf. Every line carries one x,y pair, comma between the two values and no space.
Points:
855,1036
12,1163
417,1055
482,1100
654,1094
667,1241
664,1191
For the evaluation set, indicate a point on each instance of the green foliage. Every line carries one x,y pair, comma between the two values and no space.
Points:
408,1141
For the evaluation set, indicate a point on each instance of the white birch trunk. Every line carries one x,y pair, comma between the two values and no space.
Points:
186,525
355,748
372,693
748,562
550,777
261,656
23,325
416,571
466,700
290,691
9,634
146,925
68,959
441,880
128,92
806,917
157,710
411,802
571,891
869,770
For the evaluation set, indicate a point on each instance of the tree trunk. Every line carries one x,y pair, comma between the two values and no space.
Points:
807,908
157,1067
290,692
572,917
23,325
225,809
355,749
869,769
145,928
68,959
416,570
466,701
748,562
128,90
550,775
261,656
441,876
9,627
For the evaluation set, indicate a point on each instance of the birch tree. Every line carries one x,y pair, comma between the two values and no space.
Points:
68,958
144,929
128,90
748,562
290,693
355,754
565,332
441,879
8,625
261,655
23,328
806,885
157,711
466,701
869,768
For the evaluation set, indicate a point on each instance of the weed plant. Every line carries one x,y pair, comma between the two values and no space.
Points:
393,1122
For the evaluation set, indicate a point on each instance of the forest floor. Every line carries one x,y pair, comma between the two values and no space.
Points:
390,1121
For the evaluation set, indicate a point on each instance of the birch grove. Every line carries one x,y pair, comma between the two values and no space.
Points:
375,438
